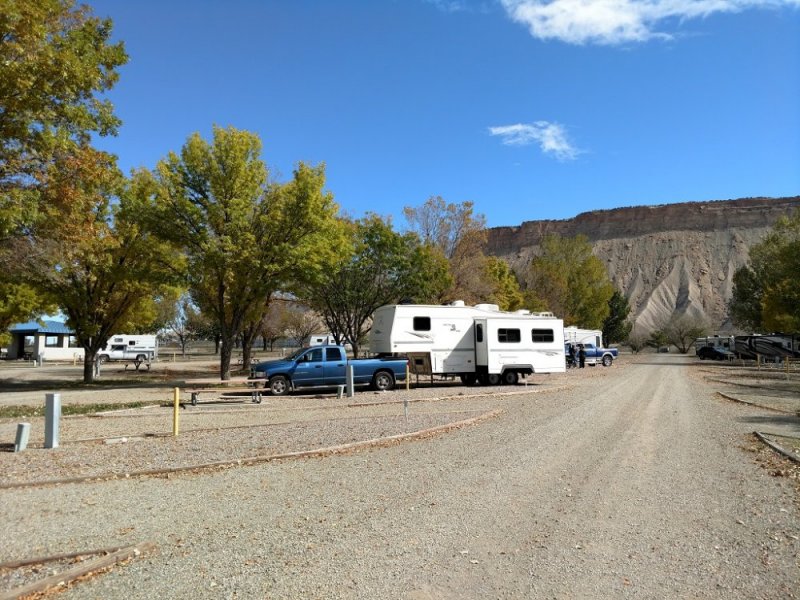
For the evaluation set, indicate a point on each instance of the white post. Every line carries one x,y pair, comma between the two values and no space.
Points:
350,391
23,433
52,419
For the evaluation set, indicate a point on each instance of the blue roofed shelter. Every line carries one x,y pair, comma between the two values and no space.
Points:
43,340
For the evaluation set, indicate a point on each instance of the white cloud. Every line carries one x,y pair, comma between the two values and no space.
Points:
618,21
551,137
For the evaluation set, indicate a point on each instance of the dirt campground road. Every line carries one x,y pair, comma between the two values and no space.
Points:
636,481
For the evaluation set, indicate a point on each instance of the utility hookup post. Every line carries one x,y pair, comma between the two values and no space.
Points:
350,392
52,419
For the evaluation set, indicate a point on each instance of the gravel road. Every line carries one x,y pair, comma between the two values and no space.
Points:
629,482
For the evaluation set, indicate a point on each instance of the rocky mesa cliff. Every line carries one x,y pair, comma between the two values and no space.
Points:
669,260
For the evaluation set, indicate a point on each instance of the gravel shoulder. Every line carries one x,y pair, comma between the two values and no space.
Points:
634,481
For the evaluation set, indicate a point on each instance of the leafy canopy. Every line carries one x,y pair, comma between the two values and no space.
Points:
89,253
244,238
383,267
55,61
567,279
765,292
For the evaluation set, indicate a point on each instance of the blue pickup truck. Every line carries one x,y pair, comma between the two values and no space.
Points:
326,366
595,355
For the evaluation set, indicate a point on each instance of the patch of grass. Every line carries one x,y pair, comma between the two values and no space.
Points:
16,412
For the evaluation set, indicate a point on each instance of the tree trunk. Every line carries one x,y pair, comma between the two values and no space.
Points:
226,350
88,366
248,337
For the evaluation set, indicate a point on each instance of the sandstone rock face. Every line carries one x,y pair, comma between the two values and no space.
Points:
670,260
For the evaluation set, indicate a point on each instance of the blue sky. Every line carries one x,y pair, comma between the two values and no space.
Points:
531,109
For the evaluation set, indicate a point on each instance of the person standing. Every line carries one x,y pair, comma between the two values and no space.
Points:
581,356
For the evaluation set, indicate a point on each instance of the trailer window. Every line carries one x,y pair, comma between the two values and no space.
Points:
479,333
508,335
542,335
422,323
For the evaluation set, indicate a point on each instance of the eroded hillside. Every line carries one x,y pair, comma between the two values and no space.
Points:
669,260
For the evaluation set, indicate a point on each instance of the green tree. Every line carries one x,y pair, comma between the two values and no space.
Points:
765,292
570,281
55,61
383,268
507,293
244,238
616,326
90,255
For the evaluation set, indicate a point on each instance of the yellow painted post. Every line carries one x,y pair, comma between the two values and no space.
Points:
408,377
176,407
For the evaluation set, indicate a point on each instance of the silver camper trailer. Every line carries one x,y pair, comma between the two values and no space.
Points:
479,344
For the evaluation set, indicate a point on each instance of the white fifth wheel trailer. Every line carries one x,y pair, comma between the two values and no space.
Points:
479,344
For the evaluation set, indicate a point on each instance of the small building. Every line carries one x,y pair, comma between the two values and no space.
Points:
44,340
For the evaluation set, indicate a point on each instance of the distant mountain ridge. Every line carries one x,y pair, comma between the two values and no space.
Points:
668,260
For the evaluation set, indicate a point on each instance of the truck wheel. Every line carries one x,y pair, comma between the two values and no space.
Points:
382,381
279,385
102,358
607,360
141,358
493,379
469,379
510,378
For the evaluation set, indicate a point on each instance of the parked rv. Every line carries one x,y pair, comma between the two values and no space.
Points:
718,342
592,342
774,345
480,344
319,339
134,348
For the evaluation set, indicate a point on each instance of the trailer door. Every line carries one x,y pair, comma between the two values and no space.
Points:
481,343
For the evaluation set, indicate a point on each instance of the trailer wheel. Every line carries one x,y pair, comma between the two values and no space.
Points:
493,379
382,381
102,358
510,377
279,385
469,379
607,360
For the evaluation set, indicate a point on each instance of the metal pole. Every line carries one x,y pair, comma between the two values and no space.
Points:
350,391
23,433
52,419
408,376
175,407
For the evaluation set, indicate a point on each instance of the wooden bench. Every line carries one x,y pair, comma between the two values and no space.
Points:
255,393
